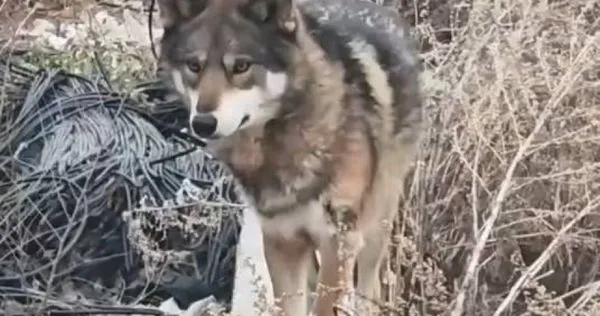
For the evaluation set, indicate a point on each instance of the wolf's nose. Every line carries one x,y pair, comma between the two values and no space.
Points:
204,125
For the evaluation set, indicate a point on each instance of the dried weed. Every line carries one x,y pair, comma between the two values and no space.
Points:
504,197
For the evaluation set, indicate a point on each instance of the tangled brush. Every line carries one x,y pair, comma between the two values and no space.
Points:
504,207
99,197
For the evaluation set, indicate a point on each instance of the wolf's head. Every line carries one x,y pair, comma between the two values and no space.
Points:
227,59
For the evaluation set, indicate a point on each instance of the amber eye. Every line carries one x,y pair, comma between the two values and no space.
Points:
194,65
241,66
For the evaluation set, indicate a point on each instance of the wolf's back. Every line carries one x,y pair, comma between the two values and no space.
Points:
381,26
348,31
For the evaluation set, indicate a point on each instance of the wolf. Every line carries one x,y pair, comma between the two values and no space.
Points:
315,106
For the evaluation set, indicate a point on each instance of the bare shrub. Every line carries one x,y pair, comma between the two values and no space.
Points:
505,195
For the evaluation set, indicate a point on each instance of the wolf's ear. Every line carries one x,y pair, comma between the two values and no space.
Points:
176,11
282,12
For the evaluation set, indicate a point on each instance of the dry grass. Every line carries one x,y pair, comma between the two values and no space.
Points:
504,209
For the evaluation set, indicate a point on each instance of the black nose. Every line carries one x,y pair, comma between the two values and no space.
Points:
204,125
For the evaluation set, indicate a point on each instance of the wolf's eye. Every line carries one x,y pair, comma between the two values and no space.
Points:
241,66
194,65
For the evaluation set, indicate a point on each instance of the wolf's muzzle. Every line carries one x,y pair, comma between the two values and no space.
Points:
204,125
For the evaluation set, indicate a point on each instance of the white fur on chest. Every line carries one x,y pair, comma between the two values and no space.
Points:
310,218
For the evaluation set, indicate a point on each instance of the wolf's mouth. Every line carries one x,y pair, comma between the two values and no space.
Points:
244,120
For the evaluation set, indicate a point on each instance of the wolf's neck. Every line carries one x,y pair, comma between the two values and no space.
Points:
287,160
317,89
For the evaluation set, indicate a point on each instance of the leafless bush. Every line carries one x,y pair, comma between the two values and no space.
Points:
505,197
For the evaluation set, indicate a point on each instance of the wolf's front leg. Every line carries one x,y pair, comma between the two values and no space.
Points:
289,262
351,178
335,288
